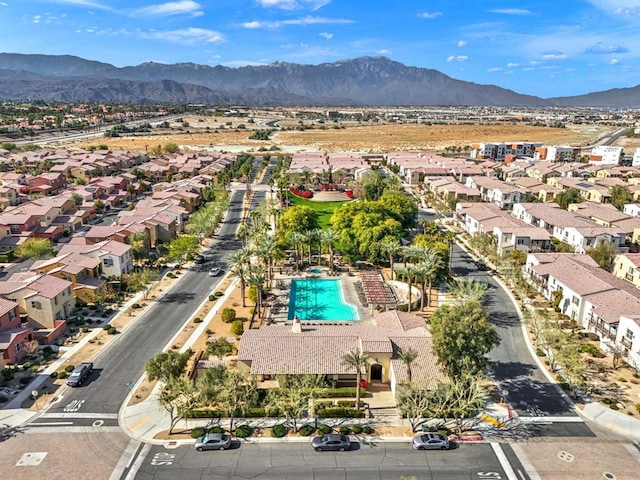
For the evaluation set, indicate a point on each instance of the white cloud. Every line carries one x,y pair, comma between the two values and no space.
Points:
384,52
293,4
430,15
614,61
303,21
189,36
606,48
494,69
462,43
626,8
513,65
182,7
554,55
4,4
84,3
511,11
253,24
326,35
36,19
457,58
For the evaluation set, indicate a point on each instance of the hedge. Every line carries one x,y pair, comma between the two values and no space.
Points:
255,412
279,430
340,392
244,431
324,429
337,412
306,430
197,432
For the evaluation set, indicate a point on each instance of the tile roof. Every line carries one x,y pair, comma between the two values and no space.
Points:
6,306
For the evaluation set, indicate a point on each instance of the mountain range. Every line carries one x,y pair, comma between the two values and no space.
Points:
363,81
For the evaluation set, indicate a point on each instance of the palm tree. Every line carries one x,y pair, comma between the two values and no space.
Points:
256,279
329,237
430,264
408,273
408,356
297,239
357,359
241,271
464,291
310,236
392,248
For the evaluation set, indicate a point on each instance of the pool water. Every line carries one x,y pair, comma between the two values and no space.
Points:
319,299
316,270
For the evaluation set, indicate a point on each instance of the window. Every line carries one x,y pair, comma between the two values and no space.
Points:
629,334
69,291
36,305
18,347
12,314
55,300
575,300
108,262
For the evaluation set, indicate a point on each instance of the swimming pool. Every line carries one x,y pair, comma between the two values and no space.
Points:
319,299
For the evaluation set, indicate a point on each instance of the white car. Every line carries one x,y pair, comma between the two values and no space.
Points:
214,272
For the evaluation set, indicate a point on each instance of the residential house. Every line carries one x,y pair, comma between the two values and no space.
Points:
116,257
82,271
13,335
627,267
314,349
47,183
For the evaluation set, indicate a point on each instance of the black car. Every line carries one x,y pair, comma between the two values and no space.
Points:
80,374
331,441
199,259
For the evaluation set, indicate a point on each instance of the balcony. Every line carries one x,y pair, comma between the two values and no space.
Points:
629,277
627,342
603,328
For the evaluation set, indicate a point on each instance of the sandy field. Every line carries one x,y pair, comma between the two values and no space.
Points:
223,134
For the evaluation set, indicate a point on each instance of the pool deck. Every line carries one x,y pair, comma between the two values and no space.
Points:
279,304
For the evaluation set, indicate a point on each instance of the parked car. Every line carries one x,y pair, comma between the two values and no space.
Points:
331,441
199,259
430,441
80,374
214,272
213,441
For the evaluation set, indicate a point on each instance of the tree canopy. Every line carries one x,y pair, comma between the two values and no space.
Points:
298,218
35,248
567,197
169,365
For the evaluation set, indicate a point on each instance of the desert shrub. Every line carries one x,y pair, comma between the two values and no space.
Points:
63,375
622,379
53,375
171,275
27,365
237,327
614,406
368,430
357,429
324,429
112,331
279,430
212,298
106,327
69,368
85,329
592,350
197,432
197,320
637,405
608,401
345,429
228,315
218,293
244,431
308,429
540,353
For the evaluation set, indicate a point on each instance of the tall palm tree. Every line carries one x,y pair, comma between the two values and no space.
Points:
464,291
297,239
408,356
408,273
310,238
329,237
392,248
257,279
430,263
241,271
357,359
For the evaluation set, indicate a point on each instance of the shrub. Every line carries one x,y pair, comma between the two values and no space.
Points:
26,365
237,327
348,403
197,432
244,431
69,368
637,407
53,375
112,331
607,401
197,320
218,293
279,430
228,315
368,430
340,392
62,375
357,429
345,429
592,350
308,429
212,298
106,327
324,429
614,406
622,379
85,329
216,430
340,412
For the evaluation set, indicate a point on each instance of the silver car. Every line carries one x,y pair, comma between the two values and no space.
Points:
213,441
331,441
430,441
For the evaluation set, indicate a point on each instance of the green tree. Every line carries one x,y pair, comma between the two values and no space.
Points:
467,290
604,254
257,279
393,249
358,360
402,207
164,366
77,199
35,248
408,273
240,392
462,336
220,347
299,219
99,205
183,247
171,148
620,195
178,396
567,197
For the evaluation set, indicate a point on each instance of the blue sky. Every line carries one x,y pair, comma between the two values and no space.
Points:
545,47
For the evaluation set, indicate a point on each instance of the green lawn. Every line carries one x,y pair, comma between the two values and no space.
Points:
323,209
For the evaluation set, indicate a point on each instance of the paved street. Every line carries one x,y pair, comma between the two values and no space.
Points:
278,461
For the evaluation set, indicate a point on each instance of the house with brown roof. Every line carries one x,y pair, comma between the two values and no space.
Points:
317,349
13,334
44,302
82,271
627,267
47,183
116,257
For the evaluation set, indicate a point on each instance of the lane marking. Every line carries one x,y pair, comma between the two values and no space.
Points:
133,471
504,462
551,419
35,424
126,459
524,461
139,423
80,415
